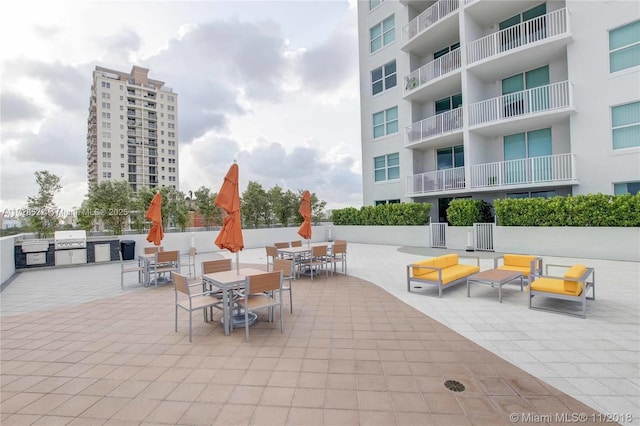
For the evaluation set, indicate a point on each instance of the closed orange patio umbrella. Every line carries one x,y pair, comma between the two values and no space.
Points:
228,198
305,211
156,234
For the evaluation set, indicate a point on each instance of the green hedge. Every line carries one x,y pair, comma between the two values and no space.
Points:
383,214
579,210
466,212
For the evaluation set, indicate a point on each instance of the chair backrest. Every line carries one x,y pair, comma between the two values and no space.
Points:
263,282
167,256
211,266
339,248
296,243
151,250
272,251
284,265
317,251
281,245
180,283
340,242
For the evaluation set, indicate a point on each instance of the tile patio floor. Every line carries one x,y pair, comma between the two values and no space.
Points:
358,349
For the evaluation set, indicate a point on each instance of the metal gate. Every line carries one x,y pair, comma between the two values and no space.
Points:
483,236
439,235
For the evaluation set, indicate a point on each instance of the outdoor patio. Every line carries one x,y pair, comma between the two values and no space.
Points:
78,350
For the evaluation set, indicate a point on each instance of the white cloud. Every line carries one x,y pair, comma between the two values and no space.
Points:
259,82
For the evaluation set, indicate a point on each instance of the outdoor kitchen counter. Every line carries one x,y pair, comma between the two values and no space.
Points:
42,252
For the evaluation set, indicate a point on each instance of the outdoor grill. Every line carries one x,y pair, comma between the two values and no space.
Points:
66,240
70,247
36,251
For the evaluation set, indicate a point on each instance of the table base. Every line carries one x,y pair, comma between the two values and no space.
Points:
237,320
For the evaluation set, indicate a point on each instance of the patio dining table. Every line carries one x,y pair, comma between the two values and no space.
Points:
227,281
147,260
298,254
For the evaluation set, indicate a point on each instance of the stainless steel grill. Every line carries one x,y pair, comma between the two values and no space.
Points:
66,240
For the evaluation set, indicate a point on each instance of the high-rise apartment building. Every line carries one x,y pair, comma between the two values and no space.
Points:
493,99
132,129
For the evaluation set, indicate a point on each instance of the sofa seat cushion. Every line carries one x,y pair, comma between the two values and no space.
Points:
555,285
520,260
452,273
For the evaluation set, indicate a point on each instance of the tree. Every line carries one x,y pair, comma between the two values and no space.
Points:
204,204
111,202
174,211
317,209
283,204
86,220
177,207
43,214
254,205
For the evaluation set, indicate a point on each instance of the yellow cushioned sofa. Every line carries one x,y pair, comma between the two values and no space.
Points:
573,286
443,271
527,265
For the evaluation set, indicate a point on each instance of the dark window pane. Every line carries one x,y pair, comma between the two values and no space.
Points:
390,81
377,87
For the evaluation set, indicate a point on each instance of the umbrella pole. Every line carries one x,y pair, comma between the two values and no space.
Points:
237,263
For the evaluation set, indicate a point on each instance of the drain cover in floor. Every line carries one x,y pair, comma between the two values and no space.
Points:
454,385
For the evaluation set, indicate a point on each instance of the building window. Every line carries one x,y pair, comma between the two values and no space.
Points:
532,32
382,34
451,157
106,85
448,103
385,122
387,167
625,123
382,202
534,145
375,3
446,50
383,78
513,88
626,188
624,47
536,194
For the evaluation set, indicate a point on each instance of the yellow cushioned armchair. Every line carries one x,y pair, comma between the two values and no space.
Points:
573,286
527,265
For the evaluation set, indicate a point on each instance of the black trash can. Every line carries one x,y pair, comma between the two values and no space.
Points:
128,249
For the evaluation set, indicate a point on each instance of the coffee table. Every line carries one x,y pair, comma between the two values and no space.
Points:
494,278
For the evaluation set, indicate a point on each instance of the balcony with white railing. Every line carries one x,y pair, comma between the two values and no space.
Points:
535,30
433,70
428,18
526,103
556,168
545,171
434,126
436,181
